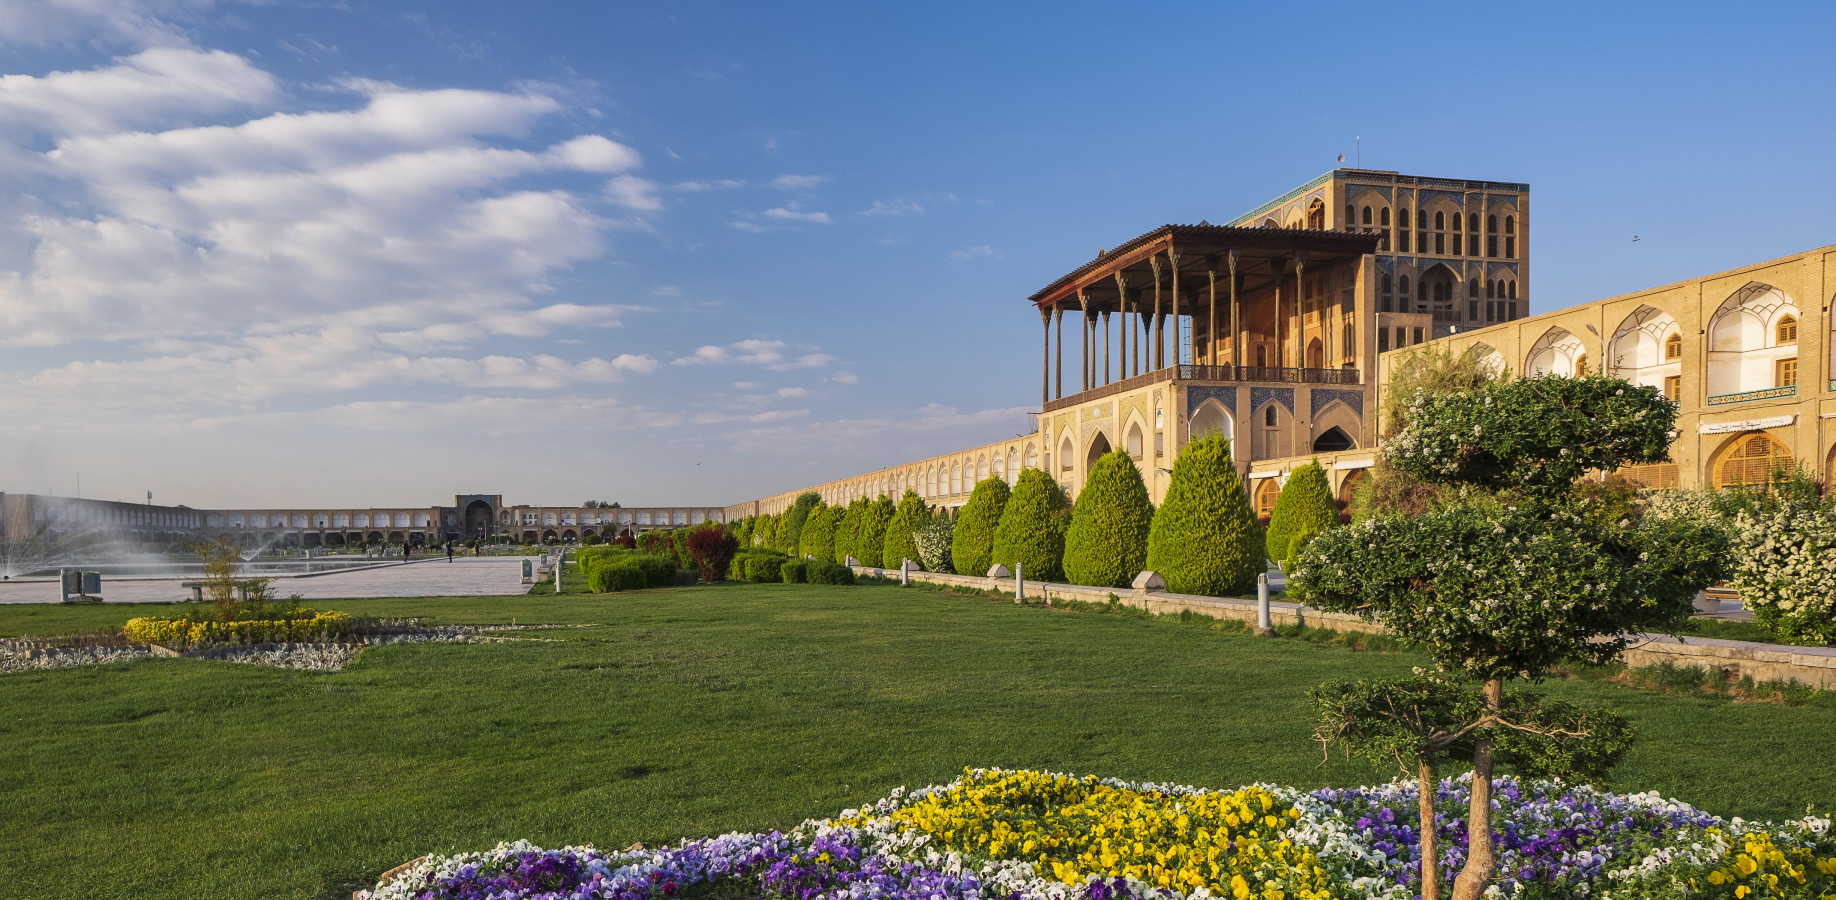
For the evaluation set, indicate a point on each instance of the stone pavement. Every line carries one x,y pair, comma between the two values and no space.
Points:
433,577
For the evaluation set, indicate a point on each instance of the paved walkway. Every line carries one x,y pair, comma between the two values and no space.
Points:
464,577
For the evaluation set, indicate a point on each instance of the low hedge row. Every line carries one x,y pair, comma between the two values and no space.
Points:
758,566
815,571
629,572
185,634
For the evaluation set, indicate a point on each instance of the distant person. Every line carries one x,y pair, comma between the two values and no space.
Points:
406,549
449,552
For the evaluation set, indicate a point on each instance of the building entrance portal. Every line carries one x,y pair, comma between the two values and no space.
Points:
478,515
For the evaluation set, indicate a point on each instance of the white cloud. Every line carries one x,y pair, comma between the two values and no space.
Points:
798,182
137,23
724,184
746,385
980,251
769,354
632,192
144,89
845,377
398,203
751,227
666,290
791,212
792,392
890,208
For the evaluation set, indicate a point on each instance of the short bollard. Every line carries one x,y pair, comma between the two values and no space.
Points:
1019,583
1262,605
905,573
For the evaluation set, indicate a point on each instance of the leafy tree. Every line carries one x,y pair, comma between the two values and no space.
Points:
898,544
819,532
1031,532
1305,506
1204,538
1519,575
790,537
972,543
933,540
1416,722
711,548
870,532
1106,542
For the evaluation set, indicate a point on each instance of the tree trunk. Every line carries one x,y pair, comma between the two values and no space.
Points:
1480,863
1431,867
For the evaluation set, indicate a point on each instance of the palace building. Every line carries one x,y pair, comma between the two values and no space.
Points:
1278,330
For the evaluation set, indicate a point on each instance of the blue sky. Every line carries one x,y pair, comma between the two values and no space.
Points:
361,253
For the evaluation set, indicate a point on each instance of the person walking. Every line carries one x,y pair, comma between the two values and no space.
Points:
449,551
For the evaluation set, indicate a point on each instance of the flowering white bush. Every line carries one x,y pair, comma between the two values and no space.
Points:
1785,566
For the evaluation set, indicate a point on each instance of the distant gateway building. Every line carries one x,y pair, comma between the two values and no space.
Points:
1277,330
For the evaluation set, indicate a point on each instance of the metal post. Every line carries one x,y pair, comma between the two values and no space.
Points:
1019,583
905,573
1262,604
560,561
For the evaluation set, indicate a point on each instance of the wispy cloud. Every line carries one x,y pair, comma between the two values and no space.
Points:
979,251
798,182
890,208
770,354
791,212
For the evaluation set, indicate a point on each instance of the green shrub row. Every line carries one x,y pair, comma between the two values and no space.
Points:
630,571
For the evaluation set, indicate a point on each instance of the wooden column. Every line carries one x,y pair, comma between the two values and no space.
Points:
1173,262
1300,321
1236,334
1105,315
1281,271
1085,358
1122,304
1211,306
1045,365
1154,349
1058,317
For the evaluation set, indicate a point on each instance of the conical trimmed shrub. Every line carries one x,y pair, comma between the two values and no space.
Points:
1032,528
972,545
791,532
1204,538
1106,543
819,533
870,532
898,544
1305,505
845,526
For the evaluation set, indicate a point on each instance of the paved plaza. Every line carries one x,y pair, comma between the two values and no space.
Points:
434,577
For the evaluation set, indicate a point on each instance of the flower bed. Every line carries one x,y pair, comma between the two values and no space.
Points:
1016,835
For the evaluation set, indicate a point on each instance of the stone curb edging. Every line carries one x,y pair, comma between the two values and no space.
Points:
1813,666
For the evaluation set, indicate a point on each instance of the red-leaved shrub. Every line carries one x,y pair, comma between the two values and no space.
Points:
712,549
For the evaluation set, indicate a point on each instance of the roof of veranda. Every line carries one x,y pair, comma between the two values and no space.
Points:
1263,252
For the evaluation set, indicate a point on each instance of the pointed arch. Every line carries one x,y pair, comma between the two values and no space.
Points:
1749,460
1555,353
1744,351
1210,418
1637,351
1488,357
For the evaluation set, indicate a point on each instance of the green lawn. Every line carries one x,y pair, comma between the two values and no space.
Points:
688,712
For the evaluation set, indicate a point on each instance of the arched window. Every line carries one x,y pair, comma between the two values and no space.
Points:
1673,347
1581,366
1440,222
1367,215
1472,288
1266,495
1383,282
1316,215
1262,356
1421,219
1402,285
1383,217
1752,461
1511,288
1268,415
1351,215
1510,223
1788,330
1491,224
1472,222
1421,291
1491,289
1510,242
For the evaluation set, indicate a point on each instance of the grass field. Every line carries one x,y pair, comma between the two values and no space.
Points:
694,711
